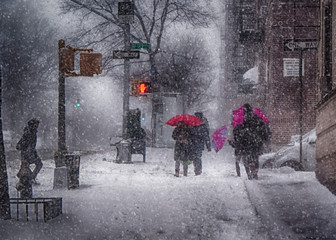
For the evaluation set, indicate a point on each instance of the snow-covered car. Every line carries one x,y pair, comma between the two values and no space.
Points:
289,155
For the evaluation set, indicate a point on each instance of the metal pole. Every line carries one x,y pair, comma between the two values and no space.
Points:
301,102
61,107
126,79
4,195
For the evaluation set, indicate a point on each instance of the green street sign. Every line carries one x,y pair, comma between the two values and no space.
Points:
140,45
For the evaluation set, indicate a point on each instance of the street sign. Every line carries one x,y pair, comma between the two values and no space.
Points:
126,12
292,67
140,45
118,54
300,44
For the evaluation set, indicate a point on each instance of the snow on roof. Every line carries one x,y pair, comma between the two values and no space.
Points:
252,75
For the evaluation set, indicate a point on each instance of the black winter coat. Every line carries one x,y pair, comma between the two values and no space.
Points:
250,136
28,140
27,145
199,137
181,136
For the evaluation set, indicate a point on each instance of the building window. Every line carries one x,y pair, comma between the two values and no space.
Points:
247,21
263,11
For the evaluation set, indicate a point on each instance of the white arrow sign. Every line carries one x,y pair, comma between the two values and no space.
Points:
291,45
117,54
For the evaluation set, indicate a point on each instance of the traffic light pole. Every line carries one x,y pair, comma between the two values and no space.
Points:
89,65
301,103
61,109
127,33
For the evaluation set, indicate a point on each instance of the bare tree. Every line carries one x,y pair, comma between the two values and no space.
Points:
152,19
185,67
29,55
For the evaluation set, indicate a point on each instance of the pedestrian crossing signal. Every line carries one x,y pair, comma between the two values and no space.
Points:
140,87
143,87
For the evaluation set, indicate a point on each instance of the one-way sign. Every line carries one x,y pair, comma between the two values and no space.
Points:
300,44
118,54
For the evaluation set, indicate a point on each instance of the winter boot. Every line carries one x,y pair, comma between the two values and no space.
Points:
238,169
255,174
185,172
177,173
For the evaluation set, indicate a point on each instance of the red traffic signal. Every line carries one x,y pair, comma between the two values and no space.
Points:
140,87
144,87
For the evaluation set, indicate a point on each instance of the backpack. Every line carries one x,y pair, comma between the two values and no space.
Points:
249,138
253,133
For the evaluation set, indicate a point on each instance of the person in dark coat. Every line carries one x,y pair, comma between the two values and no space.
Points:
199,138
181,136
27,146
253,136
239,156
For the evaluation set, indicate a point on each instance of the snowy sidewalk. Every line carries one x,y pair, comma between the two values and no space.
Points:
293,205
145,201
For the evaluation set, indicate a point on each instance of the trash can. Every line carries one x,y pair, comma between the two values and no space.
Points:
72,162
124,151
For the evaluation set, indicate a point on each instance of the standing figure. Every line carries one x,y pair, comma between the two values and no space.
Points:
252,138
181,136
236,144
27,146
199,136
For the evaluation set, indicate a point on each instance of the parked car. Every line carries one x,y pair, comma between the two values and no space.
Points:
289,155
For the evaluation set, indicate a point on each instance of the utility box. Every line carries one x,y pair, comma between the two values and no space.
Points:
72,163
60,177
124,152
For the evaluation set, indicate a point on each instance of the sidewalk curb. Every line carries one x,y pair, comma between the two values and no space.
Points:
277,229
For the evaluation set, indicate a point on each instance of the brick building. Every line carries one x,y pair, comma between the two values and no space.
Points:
287,22
254,36
326,107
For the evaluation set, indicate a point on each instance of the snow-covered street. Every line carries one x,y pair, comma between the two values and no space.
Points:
145,201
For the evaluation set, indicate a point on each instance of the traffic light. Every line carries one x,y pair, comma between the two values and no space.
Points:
90,63
140,87
78,104
144,87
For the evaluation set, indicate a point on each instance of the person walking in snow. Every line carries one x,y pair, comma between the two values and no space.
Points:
239,154
181,137
199,137
250,138
27,146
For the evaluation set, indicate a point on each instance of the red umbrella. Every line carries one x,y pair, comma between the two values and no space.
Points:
190,120
238,115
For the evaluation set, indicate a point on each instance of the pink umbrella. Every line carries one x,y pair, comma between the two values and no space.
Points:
218,138
238,115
